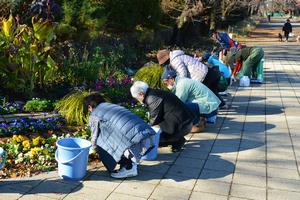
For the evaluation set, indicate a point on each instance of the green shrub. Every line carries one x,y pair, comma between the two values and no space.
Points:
71,107
91,66
38,105
127,14
151,75
117,94
85,16
84,68
26,55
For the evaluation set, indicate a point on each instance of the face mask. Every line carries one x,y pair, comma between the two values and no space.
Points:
170,87
140,100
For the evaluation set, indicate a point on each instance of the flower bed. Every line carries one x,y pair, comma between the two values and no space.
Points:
27,155
9,107
32,125
31,143
33,105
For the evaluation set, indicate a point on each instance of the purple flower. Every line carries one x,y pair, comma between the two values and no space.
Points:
99,85
110,81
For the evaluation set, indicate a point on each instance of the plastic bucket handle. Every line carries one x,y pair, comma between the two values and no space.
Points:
70,160
3,153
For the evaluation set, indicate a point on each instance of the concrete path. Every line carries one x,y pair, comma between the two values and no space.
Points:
253,152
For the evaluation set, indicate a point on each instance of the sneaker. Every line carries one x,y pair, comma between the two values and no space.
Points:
212,120
222,104
124,173
178,145
259,80
225,93
225,107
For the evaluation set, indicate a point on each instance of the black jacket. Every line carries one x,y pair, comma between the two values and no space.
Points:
167,111
287,27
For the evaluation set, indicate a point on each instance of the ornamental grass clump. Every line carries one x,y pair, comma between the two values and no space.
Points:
71,107
151,75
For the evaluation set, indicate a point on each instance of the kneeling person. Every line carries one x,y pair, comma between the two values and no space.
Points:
199,98
167,111
118,135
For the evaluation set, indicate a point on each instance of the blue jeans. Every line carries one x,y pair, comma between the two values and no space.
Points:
213,113
110,163
194,107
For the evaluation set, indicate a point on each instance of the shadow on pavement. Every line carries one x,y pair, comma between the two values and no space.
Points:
224,145
282,52
188,167
243,99
38,186
256,109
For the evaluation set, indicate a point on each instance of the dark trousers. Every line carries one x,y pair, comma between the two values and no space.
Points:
286,35
167,138
211,81
110,163
194,107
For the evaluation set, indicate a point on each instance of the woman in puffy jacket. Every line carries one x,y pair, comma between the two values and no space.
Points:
190,67
118,135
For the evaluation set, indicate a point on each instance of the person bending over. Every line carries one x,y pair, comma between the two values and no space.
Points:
167,111
118,136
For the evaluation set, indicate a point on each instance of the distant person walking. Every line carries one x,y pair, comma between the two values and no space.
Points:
269,17
287,29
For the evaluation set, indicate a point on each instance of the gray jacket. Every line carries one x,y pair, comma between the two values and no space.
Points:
115,129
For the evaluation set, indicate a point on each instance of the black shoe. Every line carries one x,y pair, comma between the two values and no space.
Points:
224,107
163,142
222,104
176,146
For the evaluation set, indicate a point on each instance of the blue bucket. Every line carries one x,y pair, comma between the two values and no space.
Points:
2,157
152,155
72,157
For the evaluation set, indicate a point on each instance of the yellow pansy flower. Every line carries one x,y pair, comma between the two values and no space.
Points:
34,151
26,144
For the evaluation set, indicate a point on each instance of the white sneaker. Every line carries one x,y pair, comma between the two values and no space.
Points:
225,93
124,173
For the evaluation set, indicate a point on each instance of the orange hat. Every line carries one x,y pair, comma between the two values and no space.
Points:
163,56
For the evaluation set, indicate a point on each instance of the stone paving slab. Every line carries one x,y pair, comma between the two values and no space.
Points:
252,152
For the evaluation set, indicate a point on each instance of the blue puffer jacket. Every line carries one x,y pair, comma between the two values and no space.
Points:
115,129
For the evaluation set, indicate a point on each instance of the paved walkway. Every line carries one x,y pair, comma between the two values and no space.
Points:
252,153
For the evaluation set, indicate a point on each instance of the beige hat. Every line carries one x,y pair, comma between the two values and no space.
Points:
163,56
